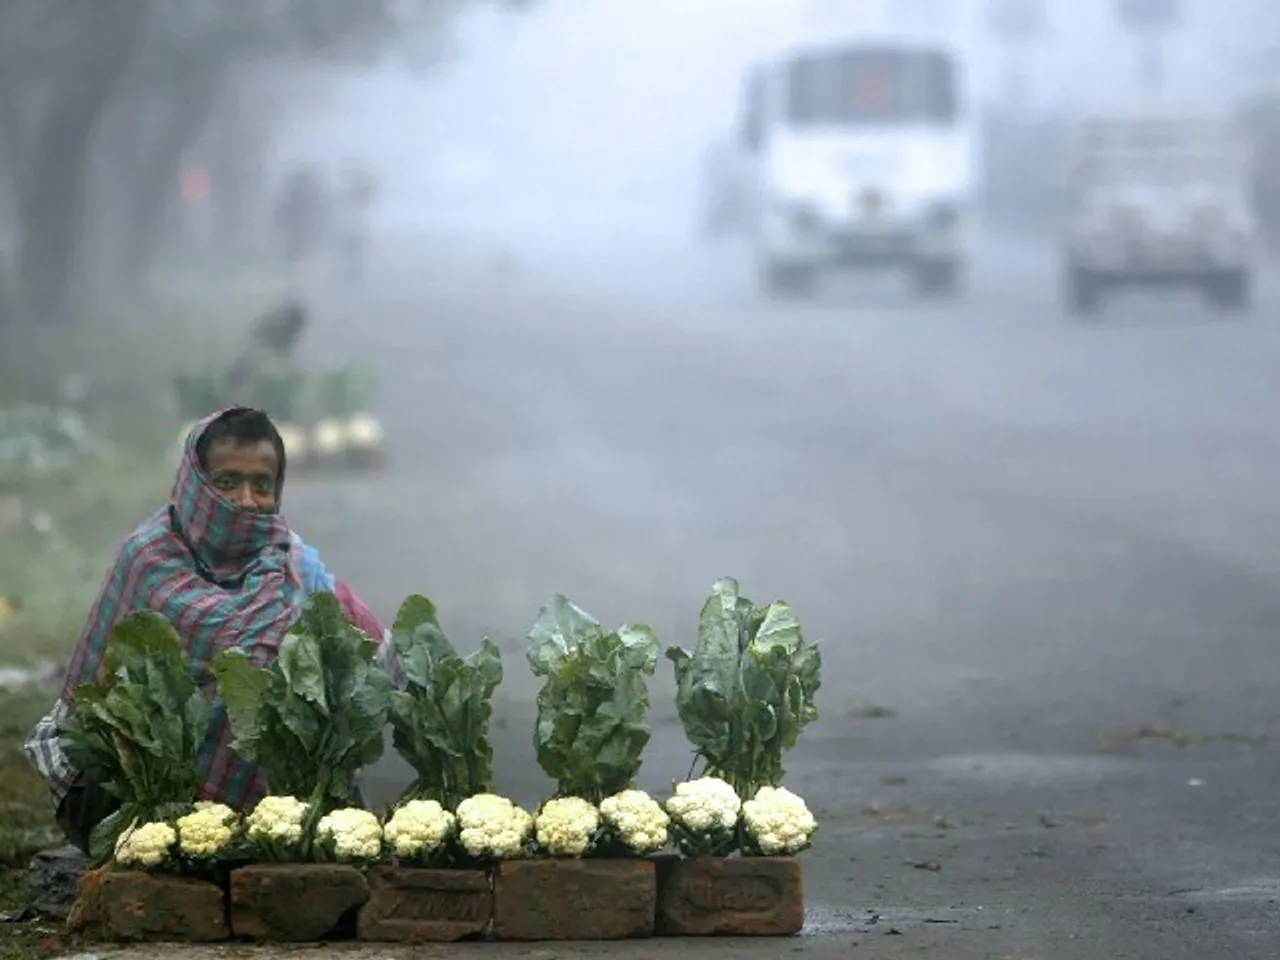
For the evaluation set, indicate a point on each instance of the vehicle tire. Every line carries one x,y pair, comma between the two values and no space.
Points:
1230,292
1084,291
937,281
785,281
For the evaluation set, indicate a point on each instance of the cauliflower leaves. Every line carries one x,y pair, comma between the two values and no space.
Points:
747,690
591,729
316,714
440,721
142,727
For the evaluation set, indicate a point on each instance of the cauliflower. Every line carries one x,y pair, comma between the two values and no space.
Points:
704,816
206,832
567,826
418,829
277,820
778,822
352,834
492,827
146,846
329,438
637,820
364,432
295,442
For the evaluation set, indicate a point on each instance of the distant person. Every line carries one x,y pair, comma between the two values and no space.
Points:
273,338
221,563
354,210
300,214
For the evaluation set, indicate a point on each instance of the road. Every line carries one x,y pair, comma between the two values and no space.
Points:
1048,548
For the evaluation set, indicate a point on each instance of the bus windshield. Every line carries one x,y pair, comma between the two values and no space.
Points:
870,86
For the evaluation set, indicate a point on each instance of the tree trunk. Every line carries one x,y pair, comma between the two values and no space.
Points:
51,207
184,110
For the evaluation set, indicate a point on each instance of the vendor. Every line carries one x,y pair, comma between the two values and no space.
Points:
222,565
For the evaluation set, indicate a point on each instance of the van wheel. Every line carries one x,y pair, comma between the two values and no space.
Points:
1230,292
786,281
937,280
1083,291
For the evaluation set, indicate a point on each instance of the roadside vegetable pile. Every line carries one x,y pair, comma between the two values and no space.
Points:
325,419
318,713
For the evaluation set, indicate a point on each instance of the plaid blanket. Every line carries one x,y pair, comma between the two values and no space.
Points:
225,578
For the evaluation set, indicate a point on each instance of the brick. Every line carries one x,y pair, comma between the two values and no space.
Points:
295,903
163,907
88,913
573,899
425,906
734,897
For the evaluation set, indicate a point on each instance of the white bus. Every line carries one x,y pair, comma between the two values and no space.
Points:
863,154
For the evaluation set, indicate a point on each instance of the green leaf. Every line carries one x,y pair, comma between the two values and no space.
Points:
441,720
242,687
591,728
142,726
747,691
317,713
561,627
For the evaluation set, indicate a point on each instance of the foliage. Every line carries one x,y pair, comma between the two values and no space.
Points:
592,729
141,728
747,690
280,390
38,440
316,714
199,394
345,391
440,722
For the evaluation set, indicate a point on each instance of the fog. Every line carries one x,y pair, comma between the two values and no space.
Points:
1026,499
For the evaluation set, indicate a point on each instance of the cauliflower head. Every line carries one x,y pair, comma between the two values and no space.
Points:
418,828
364,432
329,438
146,846
277,820
206,832
567,826
638,820
492,827
778,822
706,805
294,438
352,834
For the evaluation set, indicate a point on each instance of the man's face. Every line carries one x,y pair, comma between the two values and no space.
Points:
245,474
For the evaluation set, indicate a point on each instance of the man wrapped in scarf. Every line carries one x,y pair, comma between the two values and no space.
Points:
222,565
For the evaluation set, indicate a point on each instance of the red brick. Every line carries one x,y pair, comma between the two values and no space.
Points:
295,903
734,897
88,913
573,899
157,906
425,906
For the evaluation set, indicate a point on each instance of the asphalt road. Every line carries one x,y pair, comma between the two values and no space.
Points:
1048,548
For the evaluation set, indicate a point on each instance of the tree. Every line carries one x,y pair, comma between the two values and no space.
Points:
69,66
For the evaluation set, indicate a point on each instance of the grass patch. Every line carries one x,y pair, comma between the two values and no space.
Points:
52,577
26,818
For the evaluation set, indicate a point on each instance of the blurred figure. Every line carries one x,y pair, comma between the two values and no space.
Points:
354,204
272,341
300,219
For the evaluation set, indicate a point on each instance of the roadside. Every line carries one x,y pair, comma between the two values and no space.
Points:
76,474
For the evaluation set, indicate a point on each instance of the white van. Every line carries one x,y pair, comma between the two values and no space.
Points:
863,155
1158,197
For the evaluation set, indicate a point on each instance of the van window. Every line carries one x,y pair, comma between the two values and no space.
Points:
871,86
